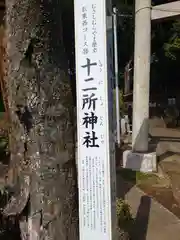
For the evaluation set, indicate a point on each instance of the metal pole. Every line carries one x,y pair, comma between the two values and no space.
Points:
116,76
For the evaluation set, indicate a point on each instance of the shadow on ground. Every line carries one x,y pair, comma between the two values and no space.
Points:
140,226
139,229
127,179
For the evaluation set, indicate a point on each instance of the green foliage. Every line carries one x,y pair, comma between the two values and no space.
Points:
172,47
124,217
133,176
3,145
9,227
168,38
4,192
121,101
125,31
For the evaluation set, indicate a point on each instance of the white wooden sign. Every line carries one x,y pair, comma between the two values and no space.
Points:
96,163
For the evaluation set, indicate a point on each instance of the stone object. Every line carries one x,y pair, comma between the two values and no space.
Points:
143,162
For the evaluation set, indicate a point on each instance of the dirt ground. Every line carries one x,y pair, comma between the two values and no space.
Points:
164,186
154,187
162,194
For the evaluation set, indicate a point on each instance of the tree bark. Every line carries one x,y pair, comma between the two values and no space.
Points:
41,110
2,68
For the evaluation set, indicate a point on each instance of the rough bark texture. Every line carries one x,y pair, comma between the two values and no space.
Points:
41,110
3,84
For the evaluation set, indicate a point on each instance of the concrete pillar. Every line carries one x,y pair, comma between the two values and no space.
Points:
141,75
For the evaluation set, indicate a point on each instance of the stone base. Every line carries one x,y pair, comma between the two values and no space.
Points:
143,162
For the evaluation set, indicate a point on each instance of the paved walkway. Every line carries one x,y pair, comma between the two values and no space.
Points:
153,221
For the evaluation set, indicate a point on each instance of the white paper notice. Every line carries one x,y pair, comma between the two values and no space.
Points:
95,146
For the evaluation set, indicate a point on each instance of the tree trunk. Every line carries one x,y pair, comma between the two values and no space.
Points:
3,84
41,111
